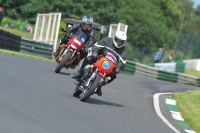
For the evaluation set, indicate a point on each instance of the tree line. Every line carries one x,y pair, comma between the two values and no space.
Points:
151,23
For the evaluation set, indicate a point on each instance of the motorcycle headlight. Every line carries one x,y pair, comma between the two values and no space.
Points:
106,65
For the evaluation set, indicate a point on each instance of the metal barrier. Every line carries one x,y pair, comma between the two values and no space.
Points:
137,68
129,68
32,47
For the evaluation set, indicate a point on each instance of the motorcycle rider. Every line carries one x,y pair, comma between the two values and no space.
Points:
117,43
86,27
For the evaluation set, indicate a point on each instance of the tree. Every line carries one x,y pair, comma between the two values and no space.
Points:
172,11
192,26
12,8
197,11
147,25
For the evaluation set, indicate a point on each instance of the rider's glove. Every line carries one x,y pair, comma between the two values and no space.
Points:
117,71
67,36
63,30
89,48
94,55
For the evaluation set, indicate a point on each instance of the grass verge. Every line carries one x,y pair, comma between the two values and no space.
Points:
189,106
192,72
3,51
18,32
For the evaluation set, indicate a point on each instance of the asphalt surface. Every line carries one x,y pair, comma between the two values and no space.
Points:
34,99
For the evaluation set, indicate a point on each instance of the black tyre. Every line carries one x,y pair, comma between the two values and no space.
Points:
77,92
89,92
63,61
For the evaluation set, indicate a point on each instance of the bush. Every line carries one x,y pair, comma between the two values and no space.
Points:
12,23
5,21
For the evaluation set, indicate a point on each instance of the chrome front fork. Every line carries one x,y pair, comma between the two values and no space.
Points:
91,77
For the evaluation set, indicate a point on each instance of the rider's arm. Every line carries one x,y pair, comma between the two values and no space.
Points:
72,29
121,64
91,39
68,31
102,42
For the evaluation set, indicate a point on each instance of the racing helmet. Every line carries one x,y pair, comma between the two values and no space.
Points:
119,39
87,20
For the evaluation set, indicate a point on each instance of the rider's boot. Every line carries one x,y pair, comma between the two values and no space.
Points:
76,62
55,54
77,75
99,92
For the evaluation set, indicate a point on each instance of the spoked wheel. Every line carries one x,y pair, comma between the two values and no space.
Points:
63,61
91,90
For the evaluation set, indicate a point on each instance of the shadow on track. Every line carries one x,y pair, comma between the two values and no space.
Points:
100,102
64,73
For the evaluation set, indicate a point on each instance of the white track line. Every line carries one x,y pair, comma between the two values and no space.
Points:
157,109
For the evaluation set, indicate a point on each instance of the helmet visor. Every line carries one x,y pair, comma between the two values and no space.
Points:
87,25
119,41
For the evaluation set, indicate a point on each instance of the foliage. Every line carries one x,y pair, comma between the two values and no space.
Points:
5,21
130,53
147,24
62,25
172,11
197,11
192,26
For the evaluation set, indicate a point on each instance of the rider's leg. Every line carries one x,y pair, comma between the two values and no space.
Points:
87,60
63,41
80,56
113,76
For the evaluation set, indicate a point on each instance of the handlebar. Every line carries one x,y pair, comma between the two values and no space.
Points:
116,54
63,30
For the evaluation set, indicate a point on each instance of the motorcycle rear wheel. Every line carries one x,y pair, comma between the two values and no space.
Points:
90,91
63,61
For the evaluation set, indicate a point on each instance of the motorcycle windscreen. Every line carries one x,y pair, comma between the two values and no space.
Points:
81,35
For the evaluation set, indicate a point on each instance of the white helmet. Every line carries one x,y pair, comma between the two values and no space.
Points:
119,39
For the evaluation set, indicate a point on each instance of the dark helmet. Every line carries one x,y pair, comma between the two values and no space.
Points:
87,20
119,39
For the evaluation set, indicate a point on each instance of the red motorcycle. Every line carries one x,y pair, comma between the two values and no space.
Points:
70,52
96,74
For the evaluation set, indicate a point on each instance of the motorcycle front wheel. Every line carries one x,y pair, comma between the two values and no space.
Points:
64,60
91,90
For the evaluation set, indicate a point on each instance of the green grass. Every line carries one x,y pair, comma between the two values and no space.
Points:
3,51
189,106
192,72
18,32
